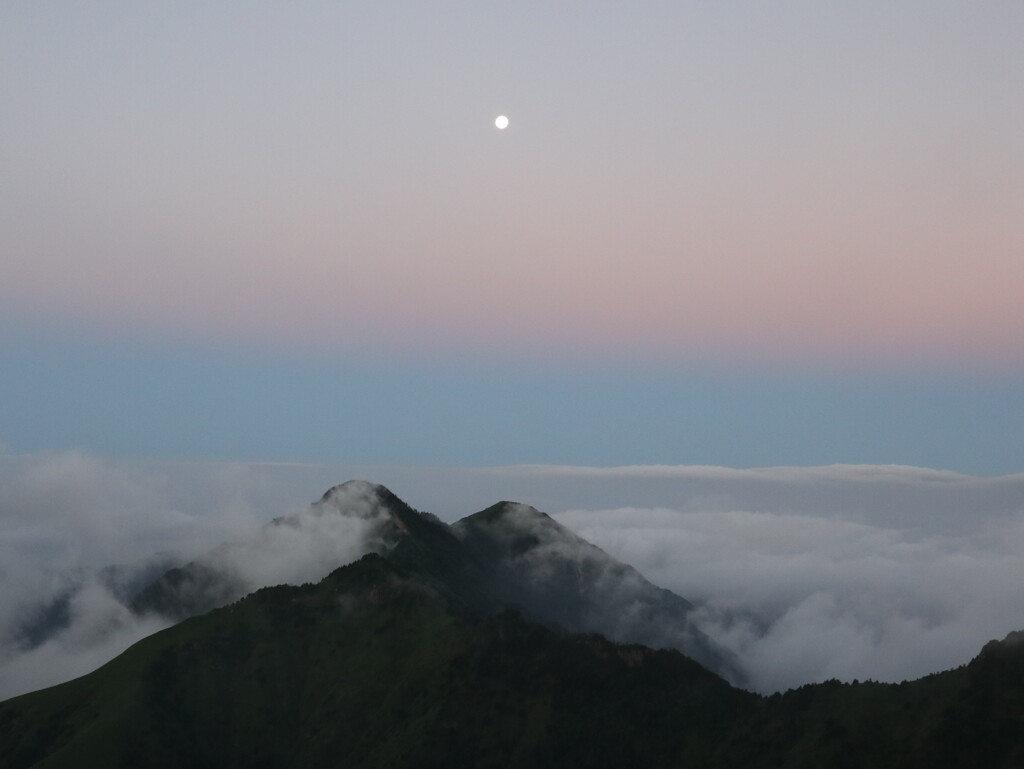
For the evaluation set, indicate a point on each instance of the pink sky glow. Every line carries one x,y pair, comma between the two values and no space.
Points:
822,187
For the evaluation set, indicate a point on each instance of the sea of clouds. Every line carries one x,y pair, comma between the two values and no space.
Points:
850,572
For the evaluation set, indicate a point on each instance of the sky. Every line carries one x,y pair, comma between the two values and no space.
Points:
741,234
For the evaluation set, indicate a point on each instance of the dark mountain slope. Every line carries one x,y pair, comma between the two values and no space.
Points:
971,716
373,667
368,669
536,563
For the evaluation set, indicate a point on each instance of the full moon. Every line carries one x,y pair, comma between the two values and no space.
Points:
501,122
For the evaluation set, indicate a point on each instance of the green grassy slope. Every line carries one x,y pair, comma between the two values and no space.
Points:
369,668
377,667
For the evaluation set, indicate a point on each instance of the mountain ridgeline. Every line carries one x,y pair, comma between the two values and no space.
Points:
460,646
509,555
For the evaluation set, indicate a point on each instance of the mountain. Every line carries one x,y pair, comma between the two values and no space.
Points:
374,666
535,563
369,668
353,518
967,717
509,555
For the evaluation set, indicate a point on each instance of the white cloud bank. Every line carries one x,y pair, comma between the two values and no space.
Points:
803,599
80,536
807,573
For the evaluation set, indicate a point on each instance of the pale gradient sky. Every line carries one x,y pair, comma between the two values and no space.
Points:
735,233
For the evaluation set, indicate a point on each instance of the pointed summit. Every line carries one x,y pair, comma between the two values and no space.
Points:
374,502
362,499
348,521
536,563
510,529
352,496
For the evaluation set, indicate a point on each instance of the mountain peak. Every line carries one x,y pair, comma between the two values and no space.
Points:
513,528
507,509
349,520
355,486
369,501
355,495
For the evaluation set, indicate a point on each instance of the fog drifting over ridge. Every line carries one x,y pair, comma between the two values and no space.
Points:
806,573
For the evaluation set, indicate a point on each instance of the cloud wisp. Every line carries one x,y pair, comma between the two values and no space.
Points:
80,536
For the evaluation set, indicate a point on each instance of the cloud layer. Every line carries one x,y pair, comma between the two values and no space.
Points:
806,573
803,599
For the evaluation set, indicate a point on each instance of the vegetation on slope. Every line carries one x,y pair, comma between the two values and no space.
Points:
405,662
370,668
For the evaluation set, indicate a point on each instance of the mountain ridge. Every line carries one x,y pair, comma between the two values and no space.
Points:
369,667
373,667
509,554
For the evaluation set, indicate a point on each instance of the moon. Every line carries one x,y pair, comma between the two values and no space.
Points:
501,122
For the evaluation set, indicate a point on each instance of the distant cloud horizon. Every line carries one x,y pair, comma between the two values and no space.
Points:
139,400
